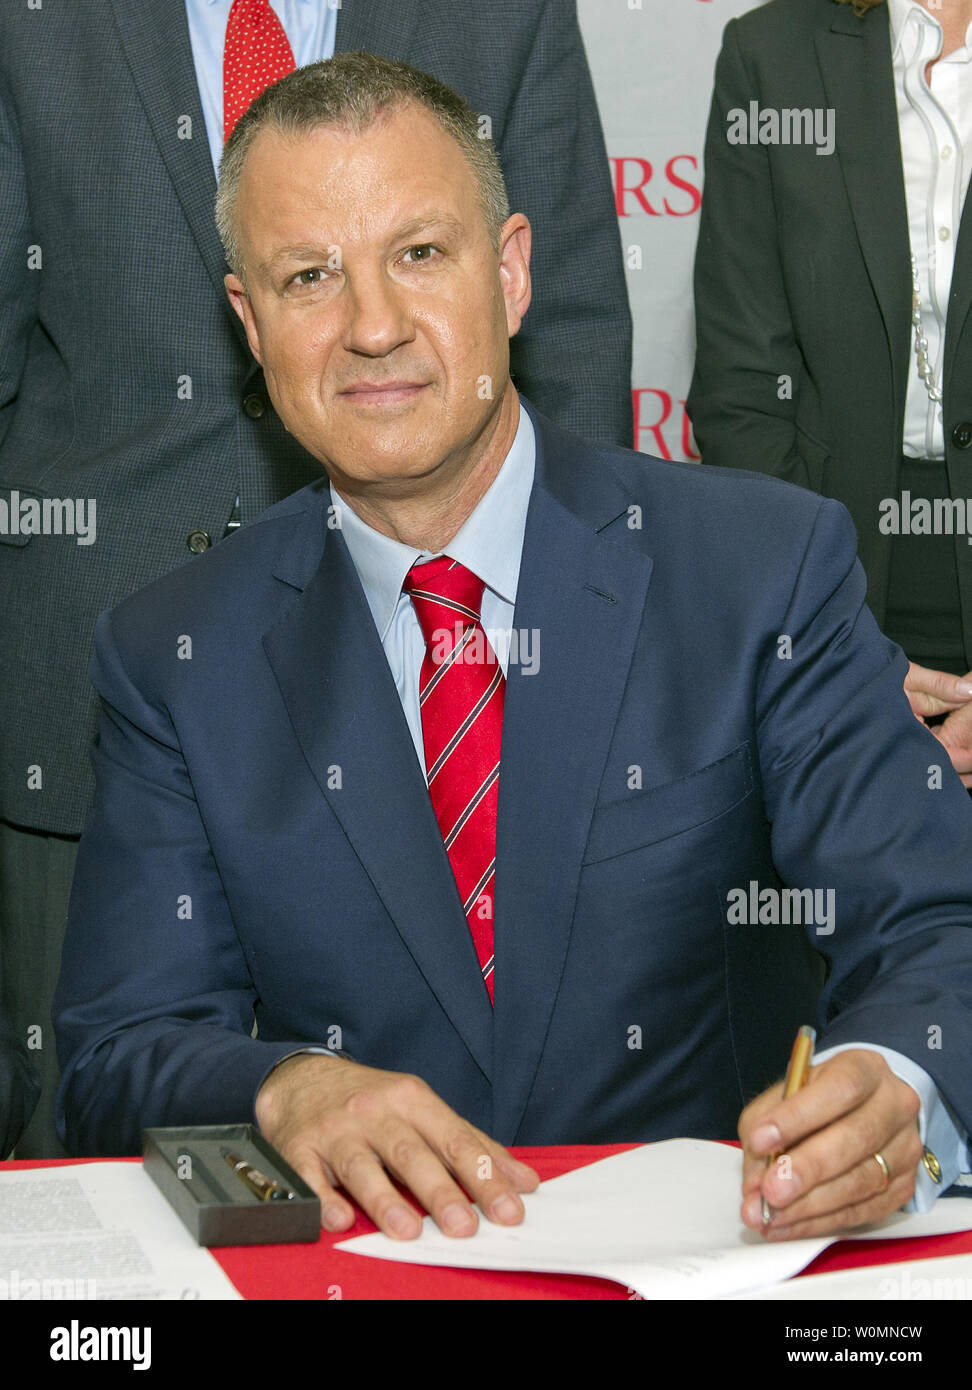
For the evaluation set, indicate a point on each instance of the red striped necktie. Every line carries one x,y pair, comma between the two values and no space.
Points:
256,53
461,691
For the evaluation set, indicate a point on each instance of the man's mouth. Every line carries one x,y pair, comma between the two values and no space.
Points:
382,393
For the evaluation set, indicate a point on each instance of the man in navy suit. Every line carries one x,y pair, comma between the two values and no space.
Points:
579,886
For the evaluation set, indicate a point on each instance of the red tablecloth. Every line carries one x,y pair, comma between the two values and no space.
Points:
320,1271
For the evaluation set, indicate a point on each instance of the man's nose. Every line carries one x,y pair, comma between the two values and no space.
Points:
378,320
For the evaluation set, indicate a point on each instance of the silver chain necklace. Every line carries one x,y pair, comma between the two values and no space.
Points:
921,342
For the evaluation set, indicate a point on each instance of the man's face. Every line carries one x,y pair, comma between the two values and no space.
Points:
376,302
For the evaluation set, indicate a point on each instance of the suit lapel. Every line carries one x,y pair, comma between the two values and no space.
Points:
960,295
341,699
584,596
855,62
155,40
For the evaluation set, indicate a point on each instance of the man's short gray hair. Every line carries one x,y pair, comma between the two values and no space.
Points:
350,92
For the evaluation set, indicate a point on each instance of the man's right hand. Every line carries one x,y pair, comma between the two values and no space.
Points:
341,1124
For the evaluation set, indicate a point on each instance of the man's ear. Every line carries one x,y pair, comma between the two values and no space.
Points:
240,301
515,239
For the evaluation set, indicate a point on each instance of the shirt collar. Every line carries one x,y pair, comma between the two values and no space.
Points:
901,11
490,541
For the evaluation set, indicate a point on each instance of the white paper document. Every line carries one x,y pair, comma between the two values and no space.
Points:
98,1231
662,1219
911,1281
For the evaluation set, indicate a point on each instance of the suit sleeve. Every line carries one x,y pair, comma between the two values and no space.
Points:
154,1009
863,804
572,356
19,1088
18,283
748,365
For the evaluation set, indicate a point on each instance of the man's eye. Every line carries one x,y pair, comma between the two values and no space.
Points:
420,253
309,277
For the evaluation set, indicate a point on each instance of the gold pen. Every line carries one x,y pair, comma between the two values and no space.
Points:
796,1076
259,1184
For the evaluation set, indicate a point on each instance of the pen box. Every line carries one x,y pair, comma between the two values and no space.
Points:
214,1202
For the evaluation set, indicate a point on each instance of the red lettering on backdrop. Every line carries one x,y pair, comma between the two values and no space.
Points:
624,189
656,428
662,412
621,188
689,188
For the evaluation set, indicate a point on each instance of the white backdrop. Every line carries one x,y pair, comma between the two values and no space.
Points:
652,63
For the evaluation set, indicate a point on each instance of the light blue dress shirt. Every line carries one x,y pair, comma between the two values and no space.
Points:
490,544
310,26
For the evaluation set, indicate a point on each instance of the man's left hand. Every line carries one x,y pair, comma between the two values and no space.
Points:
955,733
827,1178
931,693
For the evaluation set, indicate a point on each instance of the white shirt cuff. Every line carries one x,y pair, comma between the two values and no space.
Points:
938,1130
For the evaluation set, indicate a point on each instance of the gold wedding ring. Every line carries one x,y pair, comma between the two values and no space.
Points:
879,1159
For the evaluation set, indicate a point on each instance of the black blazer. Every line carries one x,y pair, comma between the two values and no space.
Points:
803,272
19,1088
101,344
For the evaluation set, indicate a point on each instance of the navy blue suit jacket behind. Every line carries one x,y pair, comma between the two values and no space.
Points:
267,785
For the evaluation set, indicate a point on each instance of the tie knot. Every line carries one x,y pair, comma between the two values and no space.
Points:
444,594
255,12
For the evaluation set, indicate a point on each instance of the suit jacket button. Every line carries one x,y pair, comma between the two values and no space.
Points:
962,435
254,405
198,541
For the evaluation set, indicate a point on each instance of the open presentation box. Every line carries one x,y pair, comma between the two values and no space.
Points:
190,1168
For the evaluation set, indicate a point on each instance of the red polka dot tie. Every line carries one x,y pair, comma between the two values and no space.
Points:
461,693
255,55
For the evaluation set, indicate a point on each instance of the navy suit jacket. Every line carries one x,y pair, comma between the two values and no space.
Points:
262,843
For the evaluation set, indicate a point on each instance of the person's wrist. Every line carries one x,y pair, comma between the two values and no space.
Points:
279,1081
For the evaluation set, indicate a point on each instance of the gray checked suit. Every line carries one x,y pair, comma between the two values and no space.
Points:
125,377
